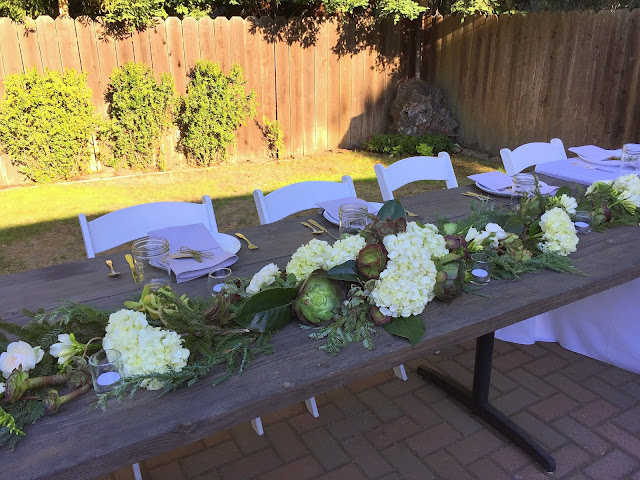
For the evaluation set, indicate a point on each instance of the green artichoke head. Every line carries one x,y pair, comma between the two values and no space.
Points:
319,298
372,260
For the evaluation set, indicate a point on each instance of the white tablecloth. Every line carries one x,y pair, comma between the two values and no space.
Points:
605,326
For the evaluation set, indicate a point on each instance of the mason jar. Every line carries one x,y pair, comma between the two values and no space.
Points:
523,184
151,259
630,160
353,218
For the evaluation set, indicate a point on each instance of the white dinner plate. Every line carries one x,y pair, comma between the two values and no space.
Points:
373,208
227,242
613,162
501,193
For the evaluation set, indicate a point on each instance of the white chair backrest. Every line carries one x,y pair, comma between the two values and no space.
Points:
299,196
129,223
530,154
413,169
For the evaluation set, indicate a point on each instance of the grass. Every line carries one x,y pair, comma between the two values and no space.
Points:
39,225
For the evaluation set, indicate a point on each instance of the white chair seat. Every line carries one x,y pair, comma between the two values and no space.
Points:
531,154
413,169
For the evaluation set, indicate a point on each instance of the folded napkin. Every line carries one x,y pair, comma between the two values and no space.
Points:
332,207
498,181
493,180
596,154
566,170
194,237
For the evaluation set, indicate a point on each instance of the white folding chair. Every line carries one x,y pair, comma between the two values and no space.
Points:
413,169
299,196
530,154
124,225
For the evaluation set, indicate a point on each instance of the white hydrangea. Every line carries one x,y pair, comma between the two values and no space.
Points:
592,187
569,204
344,250
266,276
559,233
308,258
407,284
143,349
629,188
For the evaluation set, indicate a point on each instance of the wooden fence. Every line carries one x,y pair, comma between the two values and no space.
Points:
328,84
517,79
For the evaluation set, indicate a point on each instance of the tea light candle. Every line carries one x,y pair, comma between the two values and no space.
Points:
581,227
479,275
218,288
108,378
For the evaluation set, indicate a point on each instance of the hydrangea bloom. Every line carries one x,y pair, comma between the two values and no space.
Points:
143,349
266,276
559,233
569,204
345,249
406,285
308,258
629,188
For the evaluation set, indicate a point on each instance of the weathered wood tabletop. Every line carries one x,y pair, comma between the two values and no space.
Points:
77,443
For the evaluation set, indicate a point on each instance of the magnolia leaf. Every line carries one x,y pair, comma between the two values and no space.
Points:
392,209
347,272
411,328
267,311
535,229
513,225
563,190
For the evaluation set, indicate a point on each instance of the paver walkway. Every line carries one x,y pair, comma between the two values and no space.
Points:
585,412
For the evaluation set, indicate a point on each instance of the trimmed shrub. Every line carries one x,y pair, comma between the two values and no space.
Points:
403,145
46,122
140,111
273,134
213,109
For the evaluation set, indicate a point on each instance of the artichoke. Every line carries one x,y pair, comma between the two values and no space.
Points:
372,260
450,277
319,298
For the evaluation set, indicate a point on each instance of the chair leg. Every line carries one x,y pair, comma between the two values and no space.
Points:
312,407
137,474
256,423
400,373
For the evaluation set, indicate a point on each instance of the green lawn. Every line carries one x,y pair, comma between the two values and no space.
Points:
39,225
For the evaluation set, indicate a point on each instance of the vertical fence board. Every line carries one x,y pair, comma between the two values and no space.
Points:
29,48
48,42
142,47
478,84
525,73
124,50
380,85
309,98
239,56
369,94
283,99
487,78
297,91
223,44
632,125
10,47
176,53
159,49
357,95
321,87
253,76
464,75
345,88
267,72
89,61
206,39
106,53
68,43
333,124
191,40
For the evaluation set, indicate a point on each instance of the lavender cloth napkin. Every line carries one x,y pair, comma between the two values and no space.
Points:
596,154
194,237
332,207
498,181
566,170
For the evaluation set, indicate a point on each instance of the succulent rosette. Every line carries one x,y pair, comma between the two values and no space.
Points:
372,260
318,298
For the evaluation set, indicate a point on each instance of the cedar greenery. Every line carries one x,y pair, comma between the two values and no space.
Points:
140,110
215,106
47,122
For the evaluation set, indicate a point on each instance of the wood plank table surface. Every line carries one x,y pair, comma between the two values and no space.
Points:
77,443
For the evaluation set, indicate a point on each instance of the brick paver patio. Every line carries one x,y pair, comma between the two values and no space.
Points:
585,412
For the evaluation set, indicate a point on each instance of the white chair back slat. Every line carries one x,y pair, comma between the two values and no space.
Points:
127,224
299,196
413,169
530,154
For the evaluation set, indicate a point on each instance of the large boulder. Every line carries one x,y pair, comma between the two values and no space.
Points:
419,109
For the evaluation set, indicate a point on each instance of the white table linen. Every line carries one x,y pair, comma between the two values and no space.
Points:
583,173
604,326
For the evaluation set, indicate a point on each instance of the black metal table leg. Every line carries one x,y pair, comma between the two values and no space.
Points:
477,401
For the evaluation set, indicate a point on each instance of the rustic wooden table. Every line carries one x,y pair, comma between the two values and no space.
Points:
77,443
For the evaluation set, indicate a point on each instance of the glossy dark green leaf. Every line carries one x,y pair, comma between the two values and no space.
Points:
564,190
411,328
513,225
347,272
535,229
267,311
392,209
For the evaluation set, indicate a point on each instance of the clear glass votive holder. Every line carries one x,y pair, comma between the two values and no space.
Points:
151,259
353,218
582,221
105,370
630,160
523,184
481,265
216,280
